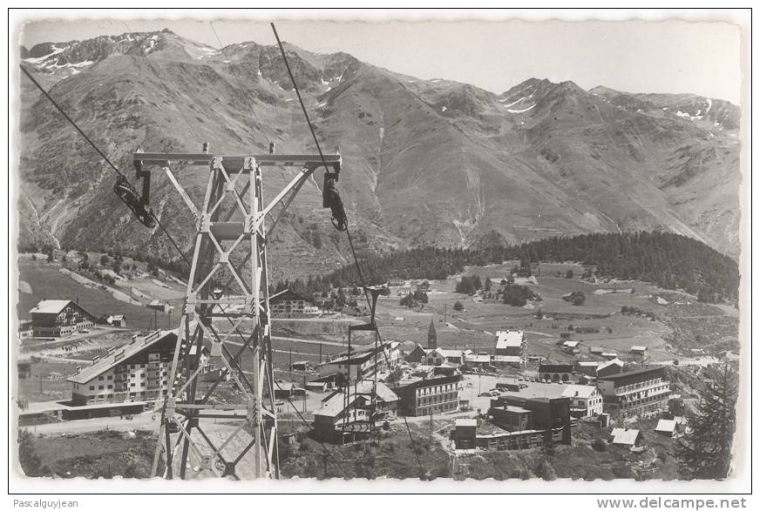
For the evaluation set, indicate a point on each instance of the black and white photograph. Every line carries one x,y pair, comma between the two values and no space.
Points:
332,247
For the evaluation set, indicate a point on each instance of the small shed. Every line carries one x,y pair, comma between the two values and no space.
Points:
317,386
303,365
626,437
669,428
464,433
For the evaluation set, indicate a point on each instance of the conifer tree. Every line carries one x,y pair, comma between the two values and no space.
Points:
706,452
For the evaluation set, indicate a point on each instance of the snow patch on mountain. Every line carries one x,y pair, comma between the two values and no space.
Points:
531,107
39,60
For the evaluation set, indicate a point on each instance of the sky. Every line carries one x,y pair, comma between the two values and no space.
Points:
674,56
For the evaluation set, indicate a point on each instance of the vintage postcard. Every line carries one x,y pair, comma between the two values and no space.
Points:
498,252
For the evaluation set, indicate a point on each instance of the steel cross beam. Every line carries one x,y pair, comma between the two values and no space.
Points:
235,182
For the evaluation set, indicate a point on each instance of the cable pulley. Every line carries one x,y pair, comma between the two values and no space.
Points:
331,199
129,196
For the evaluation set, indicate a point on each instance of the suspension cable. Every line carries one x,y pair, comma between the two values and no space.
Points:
350,241
300,100
29,75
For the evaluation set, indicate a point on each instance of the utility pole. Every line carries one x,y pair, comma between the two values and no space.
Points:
320,352
290,363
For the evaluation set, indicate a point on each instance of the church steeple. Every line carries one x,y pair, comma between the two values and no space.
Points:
432,336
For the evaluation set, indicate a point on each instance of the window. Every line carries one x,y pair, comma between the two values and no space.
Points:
131,384
100,387
110,377
110,386
92,387
100,378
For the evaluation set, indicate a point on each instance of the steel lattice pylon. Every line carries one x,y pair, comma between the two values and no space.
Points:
231,321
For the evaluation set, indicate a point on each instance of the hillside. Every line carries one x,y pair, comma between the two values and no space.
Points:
427,163
670,261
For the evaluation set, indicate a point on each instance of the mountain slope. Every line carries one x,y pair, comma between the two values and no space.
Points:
426,162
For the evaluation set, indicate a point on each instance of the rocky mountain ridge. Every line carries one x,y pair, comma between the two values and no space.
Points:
427,162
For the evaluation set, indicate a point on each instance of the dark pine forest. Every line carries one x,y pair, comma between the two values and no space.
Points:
668,260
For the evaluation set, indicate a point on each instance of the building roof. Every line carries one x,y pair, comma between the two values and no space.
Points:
582,391
478,359
507,358
514,409
436,380
451,353
638,348
555,368
118,356
50,306
287,294
625,436
336,403
571,344
509,339
628,374
588,363
614,361
597,349
361,354
466,423
534,390
666,426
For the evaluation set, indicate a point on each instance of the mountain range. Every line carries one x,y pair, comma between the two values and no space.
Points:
426,162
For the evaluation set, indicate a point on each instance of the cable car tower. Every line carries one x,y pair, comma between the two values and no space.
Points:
226,310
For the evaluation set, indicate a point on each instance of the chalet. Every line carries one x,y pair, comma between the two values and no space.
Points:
614,366
138,370
596,350
287,390
626,437
639,350
585,400
609,355
288,304
555,372
434,357
669,428
348,413
633,393
429,396
571,346
510,343
363,361
417,355
59,318
587,367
